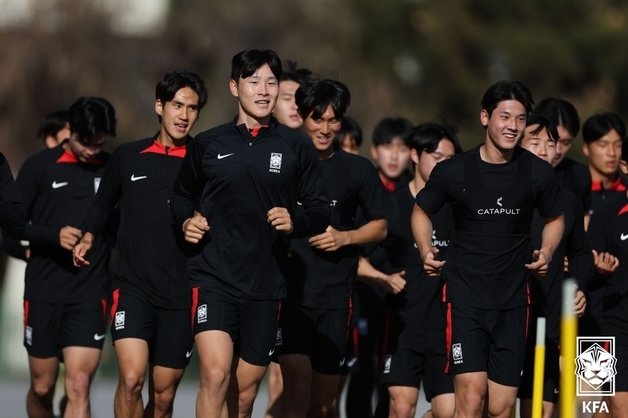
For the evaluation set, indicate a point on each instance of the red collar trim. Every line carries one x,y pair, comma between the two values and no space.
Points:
615,186
389,185
69,158
157,148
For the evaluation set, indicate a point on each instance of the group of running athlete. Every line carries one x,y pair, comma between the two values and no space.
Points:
268,240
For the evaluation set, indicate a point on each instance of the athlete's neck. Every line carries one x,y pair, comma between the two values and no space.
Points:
252,122
167,141
417,183
491,154
606,180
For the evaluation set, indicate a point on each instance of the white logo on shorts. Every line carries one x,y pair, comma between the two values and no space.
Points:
188,354
279,337
387,363
119,321
28,334
456,353
201,314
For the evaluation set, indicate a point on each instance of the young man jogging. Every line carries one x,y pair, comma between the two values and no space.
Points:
493,190
64,307
236,198
150,312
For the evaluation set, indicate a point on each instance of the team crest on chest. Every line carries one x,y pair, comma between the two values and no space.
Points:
275,162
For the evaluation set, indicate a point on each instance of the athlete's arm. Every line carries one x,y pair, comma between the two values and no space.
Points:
187,188
332,239
422,232
391,283
551,237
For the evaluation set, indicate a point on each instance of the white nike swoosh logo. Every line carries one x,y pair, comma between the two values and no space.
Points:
271,352
134,178
188,354
624,237
56,185
221,156
99,337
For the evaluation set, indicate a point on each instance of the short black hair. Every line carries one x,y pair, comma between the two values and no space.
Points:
561,112
52,124
349,127
544,122
245,63
315,95
292,73
507,90
174,81
389,128
427,136
89,116
600,124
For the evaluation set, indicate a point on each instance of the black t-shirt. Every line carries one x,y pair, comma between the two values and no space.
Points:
324,279
233,179
422,295
492,208
151,257
608,231
58,191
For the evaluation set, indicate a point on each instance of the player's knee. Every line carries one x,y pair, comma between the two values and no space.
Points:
164,400
42,388
77,384
214,378
401,408
131,383
472,400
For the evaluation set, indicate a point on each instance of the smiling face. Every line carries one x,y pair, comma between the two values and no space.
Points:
322,131
256,95
286,110
178,115
505,125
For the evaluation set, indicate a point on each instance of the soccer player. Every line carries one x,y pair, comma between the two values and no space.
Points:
541,138
413,348
349,137
321,269
65,307
150,310
607,232
493,190
571,175
244,179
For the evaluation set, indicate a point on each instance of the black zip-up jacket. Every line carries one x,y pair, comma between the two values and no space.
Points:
233,179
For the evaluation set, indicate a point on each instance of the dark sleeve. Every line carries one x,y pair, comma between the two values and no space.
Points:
316,215
371,197
434,195
106,199
28,184
577,246
188,184
12,214
547,190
